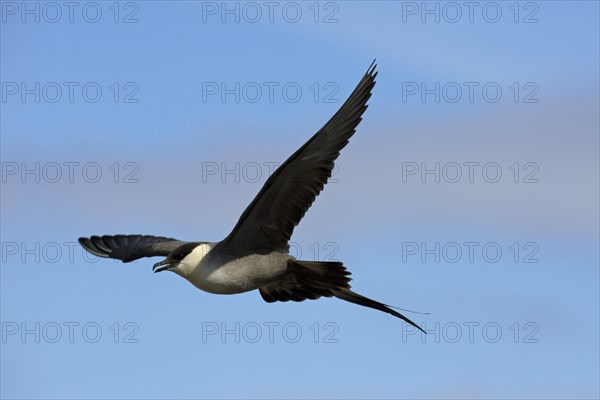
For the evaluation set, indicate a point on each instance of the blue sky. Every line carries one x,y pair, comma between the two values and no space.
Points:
162,150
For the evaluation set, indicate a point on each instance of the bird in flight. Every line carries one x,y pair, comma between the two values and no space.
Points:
255,255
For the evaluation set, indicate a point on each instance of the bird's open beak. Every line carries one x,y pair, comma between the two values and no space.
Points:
164,264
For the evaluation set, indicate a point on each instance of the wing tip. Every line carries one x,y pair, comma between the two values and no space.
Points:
372,70
88,244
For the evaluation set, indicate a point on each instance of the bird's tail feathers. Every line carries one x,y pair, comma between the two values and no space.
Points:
314,279
352,297
324,276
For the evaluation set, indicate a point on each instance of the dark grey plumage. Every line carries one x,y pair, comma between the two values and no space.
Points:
266,226
307,280
129,247
313,279
269,221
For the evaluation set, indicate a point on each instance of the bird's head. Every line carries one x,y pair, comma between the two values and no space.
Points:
182,260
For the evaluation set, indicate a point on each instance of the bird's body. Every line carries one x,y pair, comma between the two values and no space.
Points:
231,274
255,255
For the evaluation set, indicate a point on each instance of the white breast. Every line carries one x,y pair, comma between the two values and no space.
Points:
213,274
204,271
195,258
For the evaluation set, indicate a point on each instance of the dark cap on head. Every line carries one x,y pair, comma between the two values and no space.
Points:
175,257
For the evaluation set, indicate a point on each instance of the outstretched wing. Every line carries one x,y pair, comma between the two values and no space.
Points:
129,247
269,221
